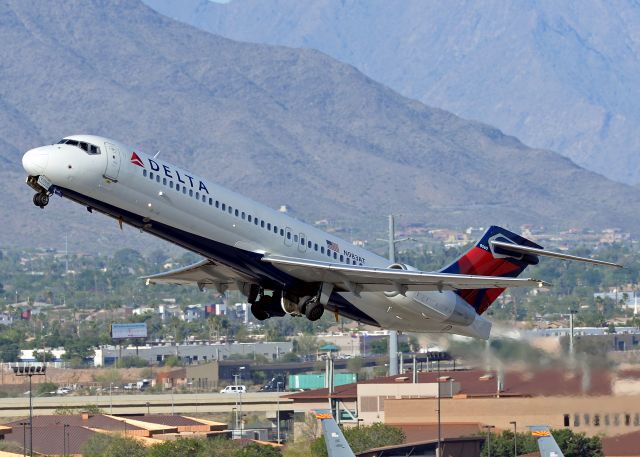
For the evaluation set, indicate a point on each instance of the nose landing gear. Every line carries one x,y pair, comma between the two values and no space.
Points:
41,199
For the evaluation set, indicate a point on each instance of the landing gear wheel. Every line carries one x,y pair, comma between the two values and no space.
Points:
41,199
314,311
258,313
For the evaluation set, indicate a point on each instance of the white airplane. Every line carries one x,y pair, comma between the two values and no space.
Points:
282,265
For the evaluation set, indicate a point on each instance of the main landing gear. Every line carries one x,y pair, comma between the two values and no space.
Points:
266,304
41,199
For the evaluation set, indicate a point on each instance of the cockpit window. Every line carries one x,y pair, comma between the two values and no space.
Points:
86,147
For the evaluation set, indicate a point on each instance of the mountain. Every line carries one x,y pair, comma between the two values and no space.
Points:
563,76
281,125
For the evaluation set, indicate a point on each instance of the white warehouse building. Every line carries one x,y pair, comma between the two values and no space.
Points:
191,353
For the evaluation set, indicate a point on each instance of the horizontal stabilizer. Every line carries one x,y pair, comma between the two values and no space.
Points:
500,247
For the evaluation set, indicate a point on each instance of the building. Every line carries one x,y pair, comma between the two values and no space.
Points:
192,353
67,434
594,402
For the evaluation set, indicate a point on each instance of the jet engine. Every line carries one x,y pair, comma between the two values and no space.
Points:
447,307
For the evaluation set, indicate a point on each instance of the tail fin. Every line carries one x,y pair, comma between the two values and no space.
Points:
546,442
337,445
486,260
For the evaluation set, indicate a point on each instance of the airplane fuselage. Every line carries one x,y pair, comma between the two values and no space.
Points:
187,209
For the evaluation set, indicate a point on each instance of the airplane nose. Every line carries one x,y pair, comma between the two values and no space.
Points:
35,161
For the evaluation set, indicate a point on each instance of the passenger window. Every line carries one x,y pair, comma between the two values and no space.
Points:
178,187
321,249
315,246
268,226
230,210
288,235
151,175
249,218
335,255
210,201
190,192
171,184
184,190
197,195
243,215
204,198
144,173
281,231
309,244
157,178
224,207
236,213
341,258
164,181
217,204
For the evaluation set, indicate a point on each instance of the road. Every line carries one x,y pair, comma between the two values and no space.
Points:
147,403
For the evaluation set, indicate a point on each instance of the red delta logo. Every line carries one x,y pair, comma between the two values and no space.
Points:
136,160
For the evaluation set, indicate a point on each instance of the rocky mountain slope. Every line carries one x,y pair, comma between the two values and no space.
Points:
281,125
563,76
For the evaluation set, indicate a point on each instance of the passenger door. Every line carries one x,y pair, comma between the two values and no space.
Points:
114,158
288,237
302,242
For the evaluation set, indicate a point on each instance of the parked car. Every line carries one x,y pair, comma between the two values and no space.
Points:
234,390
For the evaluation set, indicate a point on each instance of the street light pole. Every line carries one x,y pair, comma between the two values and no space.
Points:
489,427
30,371
515,438
278,410
439,423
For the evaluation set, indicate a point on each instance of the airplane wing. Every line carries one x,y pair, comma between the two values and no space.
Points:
204,273
546,442
360,278
335,441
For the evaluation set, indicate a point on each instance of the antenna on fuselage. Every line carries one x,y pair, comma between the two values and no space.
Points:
157,154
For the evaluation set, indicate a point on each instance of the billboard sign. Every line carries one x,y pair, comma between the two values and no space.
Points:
138,330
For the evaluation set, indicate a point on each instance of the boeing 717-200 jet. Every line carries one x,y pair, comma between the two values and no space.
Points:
281,264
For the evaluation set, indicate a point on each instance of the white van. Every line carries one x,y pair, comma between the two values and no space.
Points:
234,390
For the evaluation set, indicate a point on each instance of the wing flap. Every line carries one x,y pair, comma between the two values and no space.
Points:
204,273
384,279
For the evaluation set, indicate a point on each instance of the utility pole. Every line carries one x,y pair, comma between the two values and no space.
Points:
393,334
571,348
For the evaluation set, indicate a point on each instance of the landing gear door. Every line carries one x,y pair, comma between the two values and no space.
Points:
114,158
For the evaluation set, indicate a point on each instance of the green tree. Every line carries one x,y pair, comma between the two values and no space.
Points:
177,448
46,388
571,443
362,438
100,445
257,450
132,362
